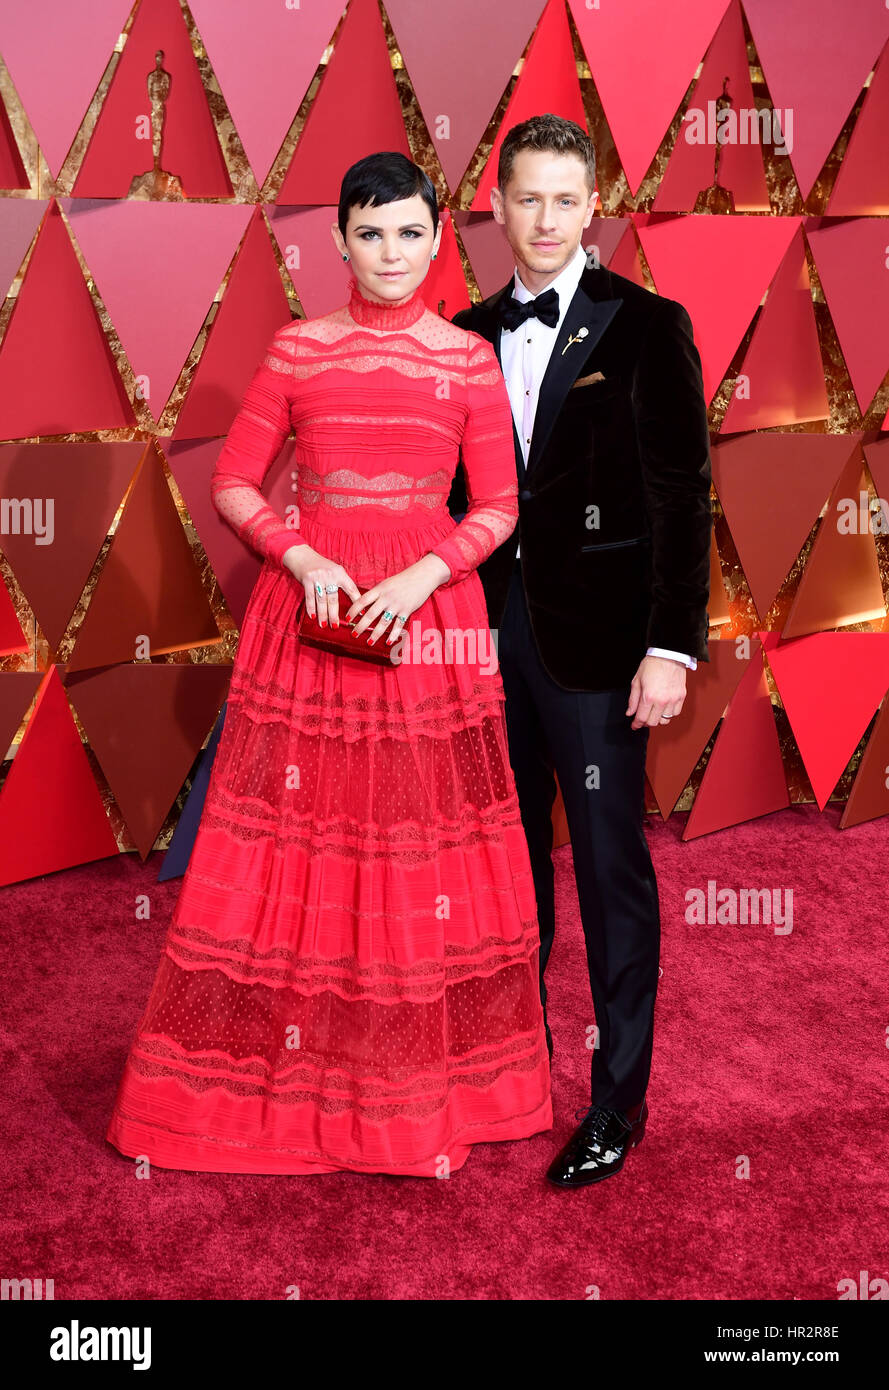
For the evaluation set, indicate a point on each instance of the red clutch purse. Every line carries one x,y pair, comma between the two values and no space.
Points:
340,641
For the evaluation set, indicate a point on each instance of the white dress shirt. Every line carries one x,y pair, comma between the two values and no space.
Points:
524,356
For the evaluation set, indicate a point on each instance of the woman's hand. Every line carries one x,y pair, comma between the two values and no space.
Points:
316,573
400,595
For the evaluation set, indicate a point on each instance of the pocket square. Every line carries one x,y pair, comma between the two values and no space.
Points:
586,380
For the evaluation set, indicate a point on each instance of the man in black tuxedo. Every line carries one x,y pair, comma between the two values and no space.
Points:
599,597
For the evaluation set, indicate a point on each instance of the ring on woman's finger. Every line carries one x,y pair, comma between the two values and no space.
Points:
388,615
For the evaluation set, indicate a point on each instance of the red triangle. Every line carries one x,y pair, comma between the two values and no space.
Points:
691,166
719,268
12,638
86,481
851,261
253,307
54,336
877,455
12,169
459,58
862,183
356,111
673,753
744,777
850,673
51,812
840,584
444,288
643,57
869,796
17,690
815,57
191,149
146,725
149,598
781,381
547,82
235,563
772,488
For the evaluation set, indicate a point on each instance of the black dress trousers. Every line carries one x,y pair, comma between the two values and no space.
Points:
587,740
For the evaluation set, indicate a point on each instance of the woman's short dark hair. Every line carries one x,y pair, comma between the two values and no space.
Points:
384,178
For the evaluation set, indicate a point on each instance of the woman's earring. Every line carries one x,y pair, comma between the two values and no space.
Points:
433,256
345,256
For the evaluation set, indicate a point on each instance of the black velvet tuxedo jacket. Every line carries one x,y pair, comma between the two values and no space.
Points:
614,505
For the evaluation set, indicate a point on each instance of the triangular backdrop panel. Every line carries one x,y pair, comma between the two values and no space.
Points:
355,112
459,58
690,168
772,488
319,274
815,57
673,753
782,374
264,57
19,220
56,61
252,308
851,260
850,672
744,777
12,638
840,584
719,268
120,148
86,483
862,181
642,57
149,588
235,563
146,724
51,812
547,82
57,373
17,690
158,267
869,796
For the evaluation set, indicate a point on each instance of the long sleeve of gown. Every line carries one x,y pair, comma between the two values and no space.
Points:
489,467
254,441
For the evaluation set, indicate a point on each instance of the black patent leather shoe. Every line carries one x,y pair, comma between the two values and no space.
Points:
599,1145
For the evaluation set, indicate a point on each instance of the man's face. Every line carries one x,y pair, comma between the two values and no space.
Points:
544,209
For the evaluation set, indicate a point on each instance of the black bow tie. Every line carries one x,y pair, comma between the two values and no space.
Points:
545,307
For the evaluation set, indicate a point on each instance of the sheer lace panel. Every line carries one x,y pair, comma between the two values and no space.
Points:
411,397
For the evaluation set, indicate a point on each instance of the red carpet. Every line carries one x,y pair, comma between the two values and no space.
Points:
769,1048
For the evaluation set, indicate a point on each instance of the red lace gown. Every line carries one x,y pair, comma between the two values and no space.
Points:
350,976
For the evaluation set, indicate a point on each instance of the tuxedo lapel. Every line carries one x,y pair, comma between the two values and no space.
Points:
588,318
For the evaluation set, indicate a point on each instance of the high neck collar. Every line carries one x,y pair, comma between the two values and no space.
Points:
380,313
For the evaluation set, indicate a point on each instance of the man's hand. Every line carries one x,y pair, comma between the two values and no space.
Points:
657,691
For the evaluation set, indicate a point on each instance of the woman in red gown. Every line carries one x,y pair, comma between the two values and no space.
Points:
350,976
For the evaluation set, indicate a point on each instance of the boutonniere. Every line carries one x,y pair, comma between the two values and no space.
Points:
578,338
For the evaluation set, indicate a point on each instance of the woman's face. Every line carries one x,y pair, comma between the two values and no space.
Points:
389,246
